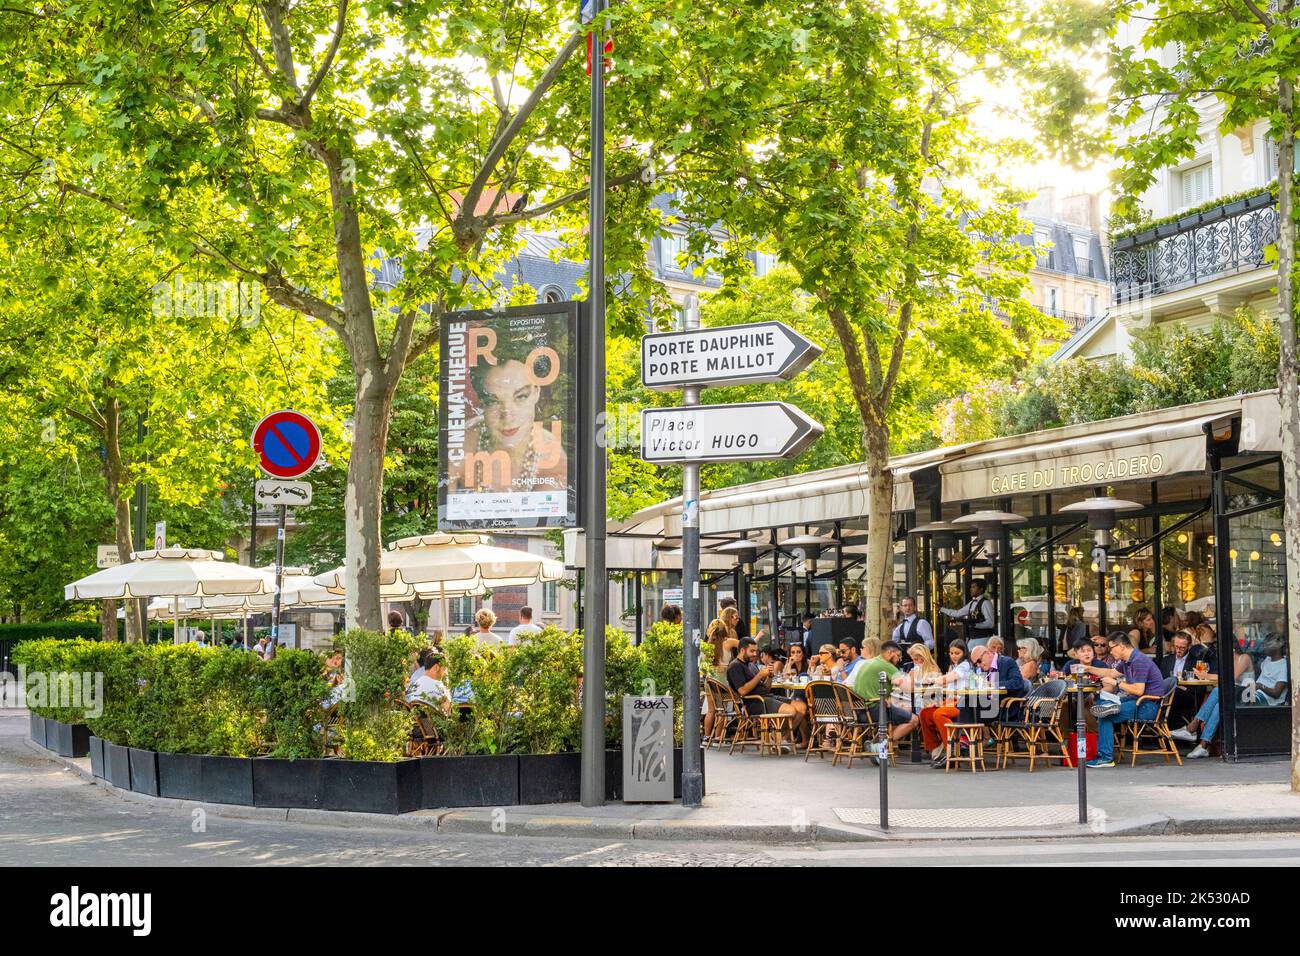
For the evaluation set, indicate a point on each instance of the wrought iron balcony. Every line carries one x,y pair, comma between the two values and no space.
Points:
1219,242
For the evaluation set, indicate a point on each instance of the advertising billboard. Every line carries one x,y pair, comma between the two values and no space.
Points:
508,418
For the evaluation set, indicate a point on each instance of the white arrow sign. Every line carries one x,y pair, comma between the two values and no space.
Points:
276,491
749,431
729,355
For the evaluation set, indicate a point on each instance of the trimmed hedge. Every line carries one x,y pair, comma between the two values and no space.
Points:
228,702
64,630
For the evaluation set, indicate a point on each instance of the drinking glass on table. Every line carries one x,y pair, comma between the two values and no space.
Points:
1202,669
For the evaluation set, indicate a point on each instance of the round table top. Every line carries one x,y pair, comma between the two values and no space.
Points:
1197,682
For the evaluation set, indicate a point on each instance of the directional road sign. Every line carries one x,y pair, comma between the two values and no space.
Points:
748,431
273,491
729,355
287,444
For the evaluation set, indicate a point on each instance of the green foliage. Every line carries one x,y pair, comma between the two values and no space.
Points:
59,630
624,663
662,666
289,689
545,669
375,727
1120,230
1236,355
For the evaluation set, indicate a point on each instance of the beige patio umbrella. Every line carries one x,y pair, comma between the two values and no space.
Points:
450,565
297,589
175,573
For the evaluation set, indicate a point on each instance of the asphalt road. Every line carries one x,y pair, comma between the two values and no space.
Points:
51,816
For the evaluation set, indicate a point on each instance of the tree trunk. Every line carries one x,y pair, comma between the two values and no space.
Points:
108,621
1289,393
878,585
115,479
363,501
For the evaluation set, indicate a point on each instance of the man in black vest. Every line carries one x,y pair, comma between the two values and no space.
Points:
912,628
978,616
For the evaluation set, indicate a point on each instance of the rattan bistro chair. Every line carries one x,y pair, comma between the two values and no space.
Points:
725,714
331,730
825,718
1038,728
859,725
425,739
1138,734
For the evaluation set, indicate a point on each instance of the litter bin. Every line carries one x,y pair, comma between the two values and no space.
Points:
647,749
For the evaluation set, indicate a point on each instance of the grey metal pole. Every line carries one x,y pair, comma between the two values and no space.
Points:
592,789
1081,750
882,750
252,559
692,773
279,574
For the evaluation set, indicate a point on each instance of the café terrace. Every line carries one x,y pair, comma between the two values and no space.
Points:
1204,533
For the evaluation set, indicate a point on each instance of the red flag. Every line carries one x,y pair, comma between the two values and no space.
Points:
608,60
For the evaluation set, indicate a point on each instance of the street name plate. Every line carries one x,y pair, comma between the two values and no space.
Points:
729,355
748,431
107,556
274,491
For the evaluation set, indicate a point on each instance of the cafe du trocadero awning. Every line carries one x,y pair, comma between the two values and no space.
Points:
1149,446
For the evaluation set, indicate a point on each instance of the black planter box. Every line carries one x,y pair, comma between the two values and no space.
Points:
67,740
144,771
117,765
371,786
551,778
614,773
226,780
38,729
96,756
288,783
180,776
488,780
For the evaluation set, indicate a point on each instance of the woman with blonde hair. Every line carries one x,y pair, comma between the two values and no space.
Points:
722,638
1030,654
486,620
924,671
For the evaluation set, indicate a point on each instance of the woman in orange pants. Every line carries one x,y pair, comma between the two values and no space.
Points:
935,720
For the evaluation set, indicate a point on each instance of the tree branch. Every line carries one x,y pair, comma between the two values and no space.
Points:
538,211
507,136
305,100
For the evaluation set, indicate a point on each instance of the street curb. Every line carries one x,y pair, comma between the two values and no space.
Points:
523,822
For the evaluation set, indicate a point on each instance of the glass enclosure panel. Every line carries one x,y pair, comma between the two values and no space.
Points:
1187,567
1029,606
1259,608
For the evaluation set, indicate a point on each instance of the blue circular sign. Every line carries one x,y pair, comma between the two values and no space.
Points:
288,444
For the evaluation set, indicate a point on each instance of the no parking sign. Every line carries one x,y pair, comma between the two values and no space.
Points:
287,444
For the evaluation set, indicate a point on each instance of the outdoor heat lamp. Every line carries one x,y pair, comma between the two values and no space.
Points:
811,545
744,551
1102,514
944,536
988,527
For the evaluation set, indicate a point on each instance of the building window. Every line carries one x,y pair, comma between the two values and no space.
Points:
1083,255
764,262
1042,247
1274,157
1194,186
552,293
671,248
550,597
1053,300
461,610
1090,306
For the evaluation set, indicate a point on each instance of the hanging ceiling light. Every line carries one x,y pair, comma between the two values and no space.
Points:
988,527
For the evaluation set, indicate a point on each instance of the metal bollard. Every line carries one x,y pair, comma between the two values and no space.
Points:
1081,751
882,750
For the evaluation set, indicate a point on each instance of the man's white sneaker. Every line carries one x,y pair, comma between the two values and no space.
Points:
1182,733
1197,751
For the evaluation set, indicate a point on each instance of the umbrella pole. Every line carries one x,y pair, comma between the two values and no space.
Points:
244,628
446,623
176,619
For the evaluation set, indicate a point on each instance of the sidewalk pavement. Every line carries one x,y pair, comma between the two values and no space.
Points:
774,800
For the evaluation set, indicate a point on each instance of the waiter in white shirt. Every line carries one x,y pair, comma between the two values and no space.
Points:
977,615
913,629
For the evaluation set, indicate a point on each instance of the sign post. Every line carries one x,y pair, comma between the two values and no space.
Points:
288,446
596,597
692,434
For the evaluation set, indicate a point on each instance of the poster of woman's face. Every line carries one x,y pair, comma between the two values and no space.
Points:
508,412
